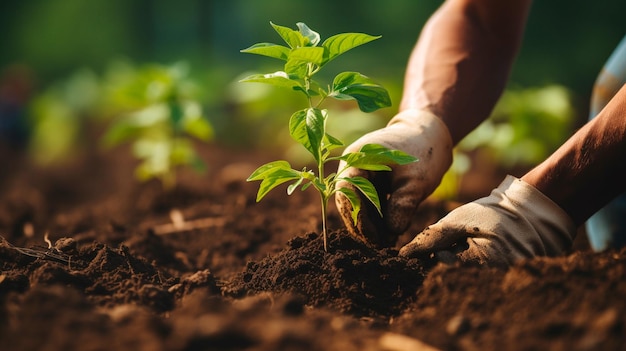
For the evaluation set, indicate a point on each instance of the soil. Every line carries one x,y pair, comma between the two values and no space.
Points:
92,260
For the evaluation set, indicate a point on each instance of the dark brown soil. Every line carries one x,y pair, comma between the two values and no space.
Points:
123,273
351,277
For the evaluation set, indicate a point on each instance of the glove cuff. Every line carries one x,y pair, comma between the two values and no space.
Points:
427,121
434,138
553,225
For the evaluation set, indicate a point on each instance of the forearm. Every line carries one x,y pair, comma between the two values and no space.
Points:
462,61
589,170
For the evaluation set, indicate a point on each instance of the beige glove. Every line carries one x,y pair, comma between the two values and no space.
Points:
515,222
420,134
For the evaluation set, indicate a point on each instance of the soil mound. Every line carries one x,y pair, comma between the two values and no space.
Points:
351,277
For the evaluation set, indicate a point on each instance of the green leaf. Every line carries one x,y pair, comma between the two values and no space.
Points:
269,49
153,115
300,59
374,157
367,188
355,202
120,132
292,187
296,68
194,123
199,128
315,128
307,54
279,79
312,36
368,163
330,143
392,156
369,95
298,131
272,175
267,168
293,38
144,171
181,152
270,183
133,125
307,128
340,43
155,155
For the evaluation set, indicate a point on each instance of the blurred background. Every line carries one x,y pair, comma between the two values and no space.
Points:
63,62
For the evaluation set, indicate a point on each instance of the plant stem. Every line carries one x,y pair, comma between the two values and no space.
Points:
324,231
307,84
324,196
320,162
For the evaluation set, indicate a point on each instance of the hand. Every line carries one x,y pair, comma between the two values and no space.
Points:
420,134
515,222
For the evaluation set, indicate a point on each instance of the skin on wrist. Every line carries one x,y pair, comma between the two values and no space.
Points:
462,60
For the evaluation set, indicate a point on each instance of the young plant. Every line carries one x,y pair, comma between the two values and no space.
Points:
304,57
163,116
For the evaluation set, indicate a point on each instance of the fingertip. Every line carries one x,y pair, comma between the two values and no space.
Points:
423,243
406,251
413,248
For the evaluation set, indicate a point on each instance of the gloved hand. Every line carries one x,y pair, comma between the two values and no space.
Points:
515,222
420,134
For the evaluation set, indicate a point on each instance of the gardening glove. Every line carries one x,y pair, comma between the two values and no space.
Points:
515,222
418,133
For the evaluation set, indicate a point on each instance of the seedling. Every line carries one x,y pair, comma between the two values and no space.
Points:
303,58
164,117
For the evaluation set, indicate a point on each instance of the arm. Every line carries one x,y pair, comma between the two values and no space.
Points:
462,60
538,214
454,77
588,170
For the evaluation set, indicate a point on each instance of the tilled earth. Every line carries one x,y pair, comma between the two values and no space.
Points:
90,260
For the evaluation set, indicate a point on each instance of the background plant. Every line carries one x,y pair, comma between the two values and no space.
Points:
56,118
305,56
162,118
525,127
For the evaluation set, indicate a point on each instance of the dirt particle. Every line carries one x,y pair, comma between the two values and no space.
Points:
457,325
66,245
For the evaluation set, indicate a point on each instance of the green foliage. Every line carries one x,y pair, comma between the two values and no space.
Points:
161,117
524,128
56,116
526,125
303,57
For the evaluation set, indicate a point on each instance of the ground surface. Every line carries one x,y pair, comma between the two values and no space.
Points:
204,267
